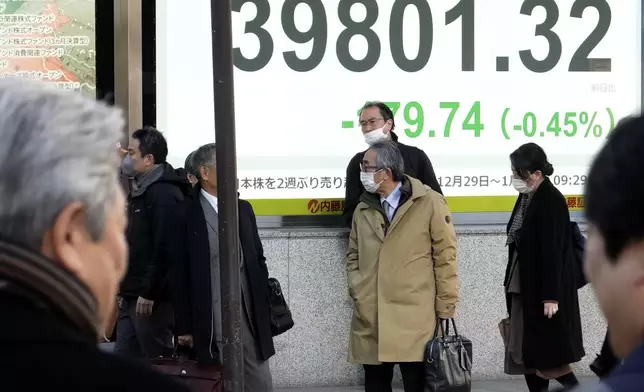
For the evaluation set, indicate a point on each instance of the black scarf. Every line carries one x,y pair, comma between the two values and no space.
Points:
27,273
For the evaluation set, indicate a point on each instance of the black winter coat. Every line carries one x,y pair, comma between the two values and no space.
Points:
417,165
547,273
148,237
192,278
41,350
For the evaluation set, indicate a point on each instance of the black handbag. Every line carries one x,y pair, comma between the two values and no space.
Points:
448,361
281,318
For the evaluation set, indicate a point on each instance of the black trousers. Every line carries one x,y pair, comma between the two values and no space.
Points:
144,337
378,378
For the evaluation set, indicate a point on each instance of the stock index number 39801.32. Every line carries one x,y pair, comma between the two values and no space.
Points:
464,11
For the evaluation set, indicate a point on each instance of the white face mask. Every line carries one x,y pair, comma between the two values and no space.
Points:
521,185
369,182
375,136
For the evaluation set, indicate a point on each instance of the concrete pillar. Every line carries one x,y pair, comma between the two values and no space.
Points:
128,86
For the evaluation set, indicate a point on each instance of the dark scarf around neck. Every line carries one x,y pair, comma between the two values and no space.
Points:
25,272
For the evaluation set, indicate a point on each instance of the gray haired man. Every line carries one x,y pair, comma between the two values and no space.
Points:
62,242
197,277
402,270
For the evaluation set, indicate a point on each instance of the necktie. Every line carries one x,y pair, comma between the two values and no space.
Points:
387,207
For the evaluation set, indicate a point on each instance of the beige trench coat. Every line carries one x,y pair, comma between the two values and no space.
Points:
400,275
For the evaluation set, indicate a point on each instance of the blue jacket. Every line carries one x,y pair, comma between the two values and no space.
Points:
628,377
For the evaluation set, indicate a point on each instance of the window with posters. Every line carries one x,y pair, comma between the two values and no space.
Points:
48,40
468,83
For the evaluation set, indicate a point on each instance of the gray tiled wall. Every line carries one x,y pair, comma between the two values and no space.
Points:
311,268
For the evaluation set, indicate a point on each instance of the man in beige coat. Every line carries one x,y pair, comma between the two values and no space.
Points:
402,270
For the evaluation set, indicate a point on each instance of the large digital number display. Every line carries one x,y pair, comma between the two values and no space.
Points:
468,82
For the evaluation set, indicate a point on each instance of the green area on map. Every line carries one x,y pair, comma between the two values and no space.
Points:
71,66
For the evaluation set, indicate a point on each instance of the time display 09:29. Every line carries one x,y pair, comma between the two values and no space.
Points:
464,11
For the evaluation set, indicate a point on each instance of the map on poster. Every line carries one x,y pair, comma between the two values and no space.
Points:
49,40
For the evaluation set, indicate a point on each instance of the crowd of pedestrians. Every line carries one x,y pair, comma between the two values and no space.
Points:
73,247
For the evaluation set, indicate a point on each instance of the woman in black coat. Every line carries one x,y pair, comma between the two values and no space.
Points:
544,335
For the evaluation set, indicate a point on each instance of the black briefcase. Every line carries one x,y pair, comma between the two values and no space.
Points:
281,318
186,370
448,361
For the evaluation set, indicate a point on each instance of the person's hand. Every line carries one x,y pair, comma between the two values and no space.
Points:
144,306
186,340
550,308
122,152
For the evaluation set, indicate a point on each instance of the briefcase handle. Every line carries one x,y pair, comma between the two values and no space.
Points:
444,329
183,352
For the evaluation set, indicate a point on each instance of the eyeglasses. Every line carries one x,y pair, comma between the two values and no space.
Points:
371,122
367,168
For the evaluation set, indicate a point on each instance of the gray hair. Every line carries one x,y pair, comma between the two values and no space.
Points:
388,156
56,147
205,156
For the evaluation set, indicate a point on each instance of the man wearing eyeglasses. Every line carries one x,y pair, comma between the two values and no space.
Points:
377,123
402,270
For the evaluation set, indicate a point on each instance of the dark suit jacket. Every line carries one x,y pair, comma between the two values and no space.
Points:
547,273
417,165
192,278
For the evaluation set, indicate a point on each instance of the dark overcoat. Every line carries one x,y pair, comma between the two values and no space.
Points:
547,273
192,278
44,350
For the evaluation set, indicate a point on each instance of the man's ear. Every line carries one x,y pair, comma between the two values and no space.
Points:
69,231
390,174
149,158
391,125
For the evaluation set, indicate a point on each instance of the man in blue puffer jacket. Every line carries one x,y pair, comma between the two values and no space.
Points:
615,250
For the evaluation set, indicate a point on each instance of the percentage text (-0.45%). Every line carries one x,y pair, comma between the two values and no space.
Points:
586,124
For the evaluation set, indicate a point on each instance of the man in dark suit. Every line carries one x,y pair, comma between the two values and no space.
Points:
377,122
197,290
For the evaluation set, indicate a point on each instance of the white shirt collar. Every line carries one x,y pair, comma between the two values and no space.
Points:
211,199
394,197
